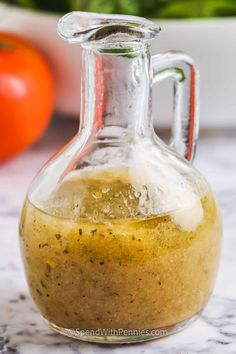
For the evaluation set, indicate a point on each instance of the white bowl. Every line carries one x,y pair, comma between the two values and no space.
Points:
210,42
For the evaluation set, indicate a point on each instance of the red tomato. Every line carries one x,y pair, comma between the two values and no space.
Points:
26,94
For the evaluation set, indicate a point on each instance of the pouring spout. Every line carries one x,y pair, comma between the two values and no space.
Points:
85,27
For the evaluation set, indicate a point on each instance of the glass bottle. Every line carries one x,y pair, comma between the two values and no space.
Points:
120,235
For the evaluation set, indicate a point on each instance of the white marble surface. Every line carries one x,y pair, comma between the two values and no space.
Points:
22,331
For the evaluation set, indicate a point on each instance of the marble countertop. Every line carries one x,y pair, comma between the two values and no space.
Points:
22,330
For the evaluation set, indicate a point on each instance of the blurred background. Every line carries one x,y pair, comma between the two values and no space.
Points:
205,29
147,8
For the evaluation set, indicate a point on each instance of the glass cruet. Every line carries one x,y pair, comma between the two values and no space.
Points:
120,235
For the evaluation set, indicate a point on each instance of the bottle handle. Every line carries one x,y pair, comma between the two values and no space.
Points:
181,68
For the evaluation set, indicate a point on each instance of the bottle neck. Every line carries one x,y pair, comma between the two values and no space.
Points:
115,92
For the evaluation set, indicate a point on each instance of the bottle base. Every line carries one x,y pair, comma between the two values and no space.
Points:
121,336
